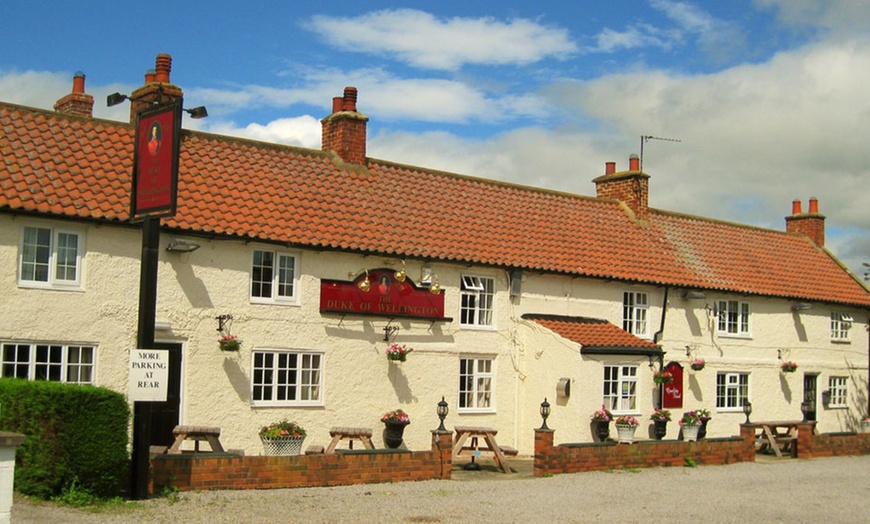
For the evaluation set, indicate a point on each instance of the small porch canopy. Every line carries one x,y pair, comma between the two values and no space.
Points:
596,336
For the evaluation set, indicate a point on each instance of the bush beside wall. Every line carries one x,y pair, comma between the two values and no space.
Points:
73,434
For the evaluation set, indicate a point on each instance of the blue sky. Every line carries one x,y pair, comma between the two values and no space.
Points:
768,98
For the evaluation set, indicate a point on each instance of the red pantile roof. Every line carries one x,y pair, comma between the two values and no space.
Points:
595,336
80,167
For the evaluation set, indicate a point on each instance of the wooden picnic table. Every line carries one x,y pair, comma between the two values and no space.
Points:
338,434
464,433
210,434
778,435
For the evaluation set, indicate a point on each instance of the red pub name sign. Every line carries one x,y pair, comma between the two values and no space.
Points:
386,297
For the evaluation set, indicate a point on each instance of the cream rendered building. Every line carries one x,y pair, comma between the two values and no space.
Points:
527,276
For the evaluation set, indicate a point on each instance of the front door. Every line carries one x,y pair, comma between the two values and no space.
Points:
810,394
165,415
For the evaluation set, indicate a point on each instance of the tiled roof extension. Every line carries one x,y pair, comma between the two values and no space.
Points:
595,336
70,166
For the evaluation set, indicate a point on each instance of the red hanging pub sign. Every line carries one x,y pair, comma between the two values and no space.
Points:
386,297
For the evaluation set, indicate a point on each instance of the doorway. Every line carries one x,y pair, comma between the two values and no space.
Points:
166,415
810,395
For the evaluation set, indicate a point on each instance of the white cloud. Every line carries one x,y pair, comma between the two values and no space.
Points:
422,40
304,131
845,15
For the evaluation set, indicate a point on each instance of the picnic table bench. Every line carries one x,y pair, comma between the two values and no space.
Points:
338,434
210,434
464,433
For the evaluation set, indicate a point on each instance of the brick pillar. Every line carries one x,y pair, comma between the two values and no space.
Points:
543,448
442,441
805,431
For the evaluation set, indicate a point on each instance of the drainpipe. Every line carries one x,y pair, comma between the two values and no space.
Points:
658,336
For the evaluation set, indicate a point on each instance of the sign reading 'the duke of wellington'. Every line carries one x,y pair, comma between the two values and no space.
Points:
386,297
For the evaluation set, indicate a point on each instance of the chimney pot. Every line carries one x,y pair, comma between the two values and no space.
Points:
79,82
164,66
350,95
633,163
609,168
814,205
337,104
150,76
795,207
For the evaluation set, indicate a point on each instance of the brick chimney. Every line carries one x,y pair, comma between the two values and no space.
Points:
344,131
78,102
629,187
157,87
811,224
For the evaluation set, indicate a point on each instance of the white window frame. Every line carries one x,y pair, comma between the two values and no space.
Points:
49,361
276,281
53,279
619,393
476,384
841,324
839,392
635,313
731,389
477,302
307,388
734,319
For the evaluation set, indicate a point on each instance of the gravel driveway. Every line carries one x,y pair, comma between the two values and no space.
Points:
829,490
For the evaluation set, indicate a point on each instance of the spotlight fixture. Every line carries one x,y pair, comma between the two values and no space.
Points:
801,306
115,99
694,295
180,245
401,274
365,284
197,112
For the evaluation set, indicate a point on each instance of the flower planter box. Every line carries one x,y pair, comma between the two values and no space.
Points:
282,445
625,433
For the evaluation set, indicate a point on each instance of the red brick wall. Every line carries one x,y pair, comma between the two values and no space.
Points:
832,444
811,225
575,458
203,472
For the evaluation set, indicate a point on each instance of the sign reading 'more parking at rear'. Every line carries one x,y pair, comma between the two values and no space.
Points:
149,375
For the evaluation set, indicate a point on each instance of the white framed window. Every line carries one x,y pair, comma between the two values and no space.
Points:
839,397
733,318
476,377
50,257
731,390
620,388
476,300
635,307
273,277
287,378
56,362
841,323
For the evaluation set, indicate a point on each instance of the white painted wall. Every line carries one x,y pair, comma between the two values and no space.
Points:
360,384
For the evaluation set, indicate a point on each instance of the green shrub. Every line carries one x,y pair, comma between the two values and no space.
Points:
75,436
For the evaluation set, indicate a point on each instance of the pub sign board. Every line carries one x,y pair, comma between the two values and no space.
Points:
386,297
672,393
155,161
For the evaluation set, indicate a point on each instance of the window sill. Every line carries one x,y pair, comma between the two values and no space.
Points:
476,327
268,302
471,411
734,335
840,341
50,287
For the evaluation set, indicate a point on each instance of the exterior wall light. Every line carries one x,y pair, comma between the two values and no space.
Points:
747,409
180,245
442,410
545,412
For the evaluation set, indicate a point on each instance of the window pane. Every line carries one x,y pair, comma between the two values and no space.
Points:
261,274
35,254
67,255
286,274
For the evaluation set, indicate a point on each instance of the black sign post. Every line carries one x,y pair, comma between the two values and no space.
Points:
155,183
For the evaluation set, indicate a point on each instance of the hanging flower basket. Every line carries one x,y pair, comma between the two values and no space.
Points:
789,366
398,353
663,377
698,364
230,343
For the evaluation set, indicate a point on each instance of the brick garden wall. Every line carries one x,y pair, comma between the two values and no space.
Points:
575,458
188,472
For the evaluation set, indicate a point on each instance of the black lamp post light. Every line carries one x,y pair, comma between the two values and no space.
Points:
747,409
442,411
805,409
545,412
